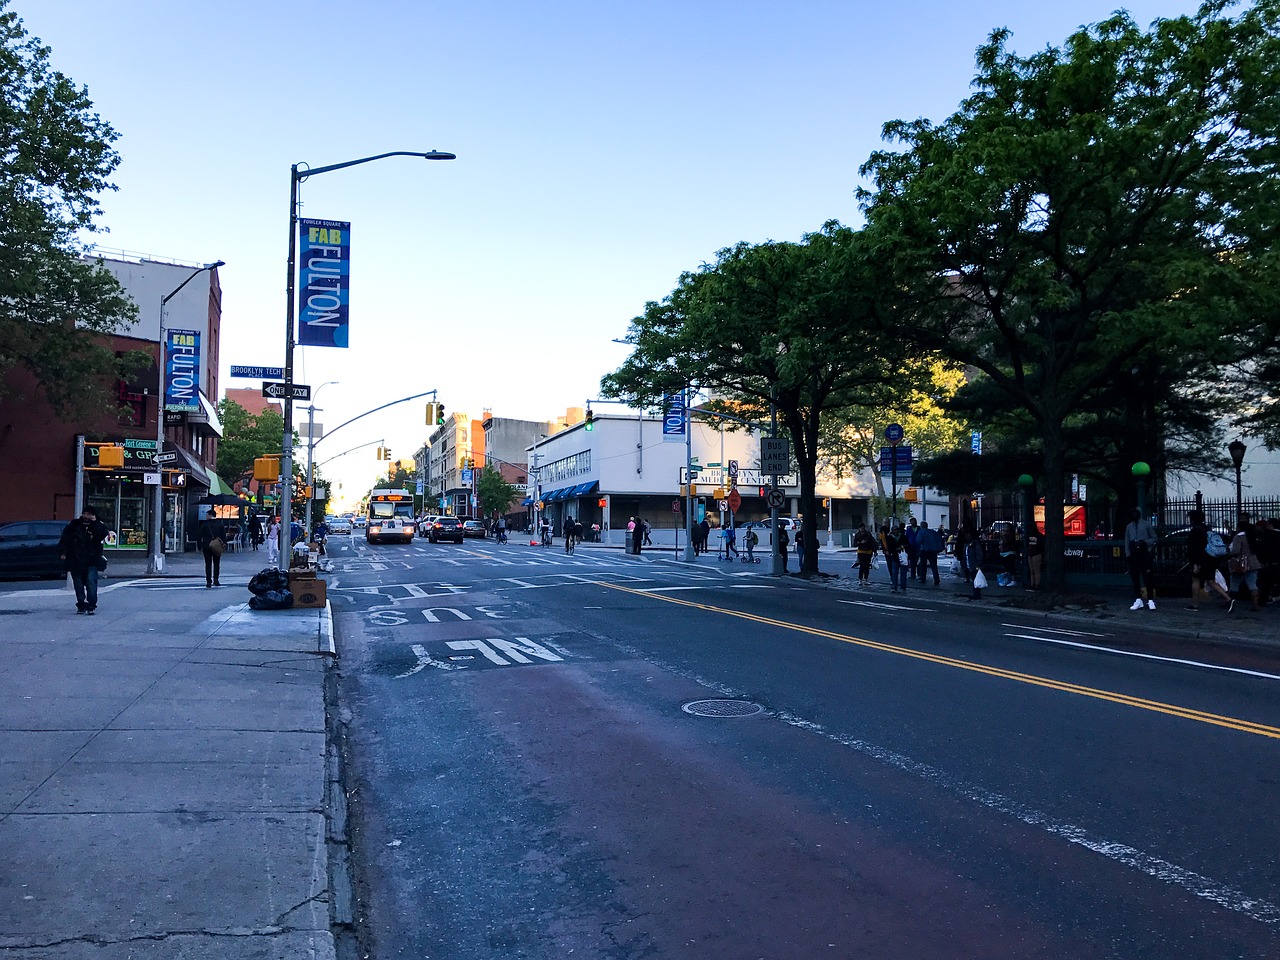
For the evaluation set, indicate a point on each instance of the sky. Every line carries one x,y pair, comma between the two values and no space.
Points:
602,149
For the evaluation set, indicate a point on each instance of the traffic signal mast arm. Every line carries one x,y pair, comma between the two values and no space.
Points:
330,433
352,450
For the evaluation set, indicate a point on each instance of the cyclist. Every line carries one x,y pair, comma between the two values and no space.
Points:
568,535
544,527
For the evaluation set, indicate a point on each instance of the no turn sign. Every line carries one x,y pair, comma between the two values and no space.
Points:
776,498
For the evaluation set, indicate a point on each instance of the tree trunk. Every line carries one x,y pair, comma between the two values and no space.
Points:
1053,573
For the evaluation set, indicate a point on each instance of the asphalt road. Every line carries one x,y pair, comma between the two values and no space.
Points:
531,773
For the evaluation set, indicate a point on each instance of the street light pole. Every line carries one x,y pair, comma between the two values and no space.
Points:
286,446
311,448
1237,450
155,563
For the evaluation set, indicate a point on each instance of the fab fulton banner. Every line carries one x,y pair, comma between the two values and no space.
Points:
673,418
324,268
182,370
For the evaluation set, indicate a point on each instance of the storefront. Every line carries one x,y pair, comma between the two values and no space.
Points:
124,501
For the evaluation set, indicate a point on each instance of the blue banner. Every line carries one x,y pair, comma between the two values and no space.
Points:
673,418
182,370
324,275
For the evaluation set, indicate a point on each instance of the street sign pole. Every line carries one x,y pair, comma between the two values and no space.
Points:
775,547
688,475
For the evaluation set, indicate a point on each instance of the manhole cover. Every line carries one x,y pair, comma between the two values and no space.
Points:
723,708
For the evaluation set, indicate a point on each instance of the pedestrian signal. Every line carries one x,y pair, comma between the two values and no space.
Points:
112,456
266,469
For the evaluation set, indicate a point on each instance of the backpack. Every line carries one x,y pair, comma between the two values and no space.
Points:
1214,547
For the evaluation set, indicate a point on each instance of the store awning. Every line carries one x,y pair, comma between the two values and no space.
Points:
216,486
584,488
207,414
526,502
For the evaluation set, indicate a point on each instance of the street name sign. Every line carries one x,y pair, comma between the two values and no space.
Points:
258,373
278,391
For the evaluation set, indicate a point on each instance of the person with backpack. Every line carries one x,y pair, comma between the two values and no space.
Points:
751,540
1205,550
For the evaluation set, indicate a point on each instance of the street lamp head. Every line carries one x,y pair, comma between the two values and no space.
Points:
1237,450
215,264
439,155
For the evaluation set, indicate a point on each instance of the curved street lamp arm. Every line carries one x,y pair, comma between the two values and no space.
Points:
429,393
313,171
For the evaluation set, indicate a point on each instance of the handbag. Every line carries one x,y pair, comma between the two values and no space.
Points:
979,580
1239,563
217,546
101,564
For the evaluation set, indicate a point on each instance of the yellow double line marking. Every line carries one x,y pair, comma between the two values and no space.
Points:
1231,723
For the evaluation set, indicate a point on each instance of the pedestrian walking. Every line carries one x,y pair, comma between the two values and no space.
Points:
273,541
80,548
705,537
751,540
969,545
929,543
644,525
1205,573
784,541
255,531
212,541
891,542
1035,557
730,537
912,535
865,544
1243,562
1139,550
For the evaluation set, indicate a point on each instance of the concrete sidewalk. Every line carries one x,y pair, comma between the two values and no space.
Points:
164,783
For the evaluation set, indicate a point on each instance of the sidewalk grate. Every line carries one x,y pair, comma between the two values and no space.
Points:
723,709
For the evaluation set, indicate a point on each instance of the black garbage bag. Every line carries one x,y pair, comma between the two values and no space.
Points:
269,578
272,600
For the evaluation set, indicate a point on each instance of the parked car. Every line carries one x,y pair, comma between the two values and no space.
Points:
474,528
29,549
446,528
340,525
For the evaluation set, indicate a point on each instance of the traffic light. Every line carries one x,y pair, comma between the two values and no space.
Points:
266,469
431,414
111,456
439,414
591,419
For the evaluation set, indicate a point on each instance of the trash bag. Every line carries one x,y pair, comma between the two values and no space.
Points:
272,600
269,578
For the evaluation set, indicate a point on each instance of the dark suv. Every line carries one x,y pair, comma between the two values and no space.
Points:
445,528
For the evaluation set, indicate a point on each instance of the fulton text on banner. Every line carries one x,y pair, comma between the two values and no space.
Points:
182,370
673,415
324,275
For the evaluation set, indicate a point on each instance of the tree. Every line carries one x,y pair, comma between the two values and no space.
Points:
493,492
781,323
850,438
55,157
245,437
1090,209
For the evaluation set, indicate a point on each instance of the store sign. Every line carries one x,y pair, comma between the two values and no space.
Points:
182,370
324,279
139,455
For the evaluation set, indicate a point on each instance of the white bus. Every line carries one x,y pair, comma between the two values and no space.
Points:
390,516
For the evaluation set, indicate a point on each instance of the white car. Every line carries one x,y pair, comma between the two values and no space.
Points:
359,522
340,525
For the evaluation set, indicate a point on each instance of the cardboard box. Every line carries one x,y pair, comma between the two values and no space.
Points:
307,591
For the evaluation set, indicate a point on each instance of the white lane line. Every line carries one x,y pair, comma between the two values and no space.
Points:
751,586
1231,898
884,606
1040,629
666,589
1147,656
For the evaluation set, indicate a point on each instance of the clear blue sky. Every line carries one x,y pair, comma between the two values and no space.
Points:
602,148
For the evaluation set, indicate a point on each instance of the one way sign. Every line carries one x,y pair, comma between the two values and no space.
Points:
278,391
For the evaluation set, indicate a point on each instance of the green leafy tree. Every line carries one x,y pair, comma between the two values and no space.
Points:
493,492
245,437
850,438
1090,208
55,157
781,323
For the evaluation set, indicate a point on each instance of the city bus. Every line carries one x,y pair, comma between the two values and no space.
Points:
390,517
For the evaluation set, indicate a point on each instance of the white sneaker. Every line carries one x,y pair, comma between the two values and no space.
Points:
1151,604
1137,605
